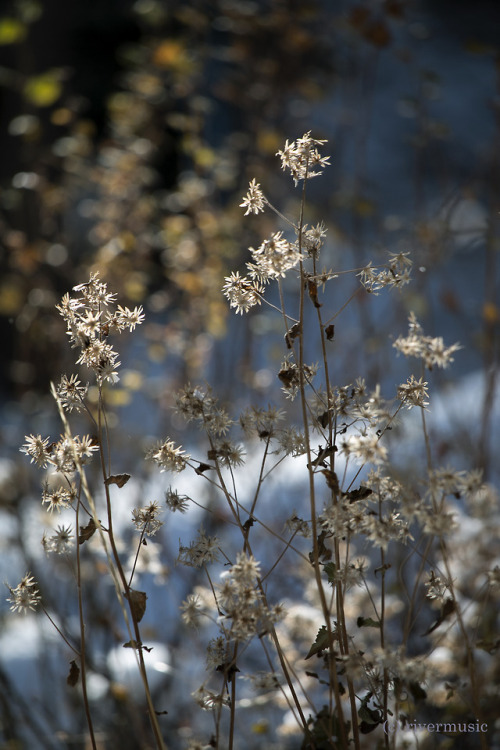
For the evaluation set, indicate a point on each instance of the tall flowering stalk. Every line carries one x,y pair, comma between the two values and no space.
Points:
344,426
92,318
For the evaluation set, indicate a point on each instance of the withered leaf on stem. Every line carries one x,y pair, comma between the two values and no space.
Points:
131,644
87,531
137,601
286,375
323,552
74,674
312,288
447,609
331,480
360,494
322,642
330,332
292,334
203,467
118,479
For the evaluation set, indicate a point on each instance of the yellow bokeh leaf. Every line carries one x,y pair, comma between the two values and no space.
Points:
260,727
118,397
11,30
491,313
43,90
132,379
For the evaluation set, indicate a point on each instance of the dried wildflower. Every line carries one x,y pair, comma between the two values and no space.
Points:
381,531
301,156
95,292
197,404
409,670
264,681
312,241
61,542
203,551
191,609
262,422
229,454
351,574
339,520
218,652
445,480
470,483
208,700
69,453
436,523
71,393
146,519
395,274
431,350
24,596
366,448
242,293
296,525
413,393
175,501
102,359
88,323
59,498
291,442
273,258
254,201
289,375
245,614
168,457
436,588
37,448
126,318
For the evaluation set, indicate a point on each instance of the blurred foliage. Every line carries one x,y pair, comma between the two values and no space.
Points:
130,137
201,100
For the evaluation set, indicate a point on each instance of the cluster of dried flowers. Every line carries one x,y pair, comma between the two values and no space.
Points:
361,502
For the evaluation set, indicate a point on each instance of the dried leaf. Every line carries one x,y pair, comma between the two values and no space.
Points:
330,570
446,610
292,334
203,467
131,644
324,419
323,552
330,332
331,480
287,376
360,494
87,531
367,622
248,525
312,288
322,642
137,601
74,674
118,479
